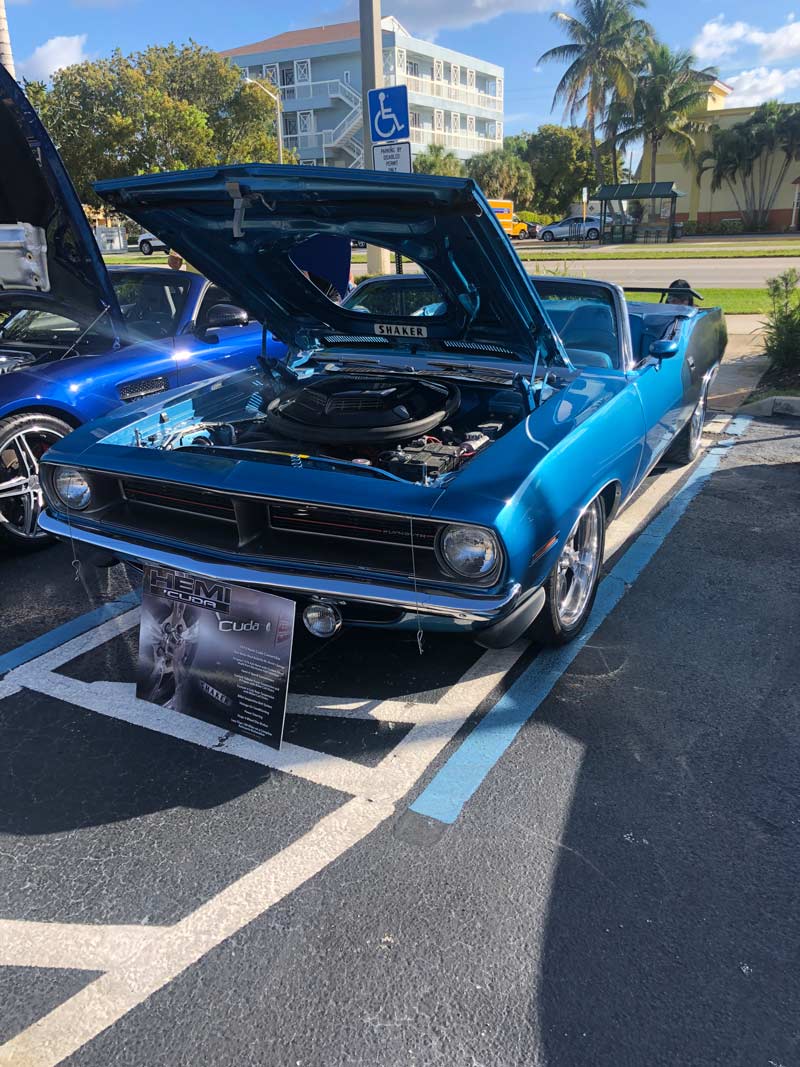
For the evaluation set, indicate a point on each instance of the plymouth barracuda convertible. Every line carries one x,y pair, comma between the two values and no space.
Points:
440,451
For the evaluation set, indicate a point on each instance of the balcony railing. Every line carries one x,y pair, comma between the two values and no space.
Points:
469,142
446,91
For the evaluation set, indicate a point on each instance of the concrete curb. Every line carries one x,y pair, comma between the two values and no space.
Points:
773,405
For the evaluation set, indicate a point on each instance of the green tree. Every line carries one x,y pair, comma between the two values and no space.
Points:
560,159
437,160
166,108
669,94
503,176
605,39
752,159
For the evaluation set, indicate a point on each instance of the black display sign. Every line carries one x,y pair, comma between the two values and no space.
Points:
216,651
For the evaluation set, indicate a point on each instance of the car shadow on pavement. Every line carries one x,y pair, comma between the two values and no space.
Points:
673,927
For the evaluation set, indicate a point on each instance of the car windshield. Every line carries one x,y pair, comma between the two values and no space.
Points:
585,318
151,306
151,303
393,297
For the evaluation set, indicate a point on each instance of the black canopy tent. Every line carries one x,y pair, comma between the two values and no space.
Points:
606,194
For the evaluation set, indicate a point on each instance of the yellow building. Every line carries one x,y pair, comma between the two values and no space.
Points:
702,204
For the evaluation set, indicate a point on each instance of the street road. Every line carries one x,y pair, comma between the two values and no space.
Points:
702,273
509,858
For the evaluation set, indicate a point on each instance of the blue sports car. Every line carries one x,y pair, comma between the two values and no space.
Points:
442,450
76,339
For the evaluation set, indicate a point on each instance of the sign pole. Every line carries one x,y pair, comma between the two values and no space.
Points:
369,12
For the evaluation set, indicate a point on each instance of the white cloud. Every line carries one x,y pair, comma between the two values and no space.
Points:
751,87
425,19
719,38
51,56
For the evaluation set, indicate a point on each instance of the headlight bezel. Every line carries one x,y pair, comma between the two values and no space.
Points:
447,564
71,505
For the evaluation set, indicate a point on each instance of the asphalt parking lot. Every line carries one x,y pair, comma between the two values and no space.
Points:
483,858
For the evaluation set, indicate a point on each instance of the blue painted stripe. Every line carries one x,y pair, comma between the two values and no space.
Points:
61,634
448,792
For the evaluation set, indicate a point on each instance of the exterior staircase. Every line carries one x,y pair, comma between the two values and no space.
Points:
344,135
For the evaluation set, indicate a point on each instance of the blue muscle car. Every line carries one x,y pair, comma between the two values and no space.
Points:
442,450
80,339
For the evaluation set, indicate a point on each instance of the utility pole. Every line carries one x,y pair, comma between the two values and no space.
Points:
6,55
371,78
276,98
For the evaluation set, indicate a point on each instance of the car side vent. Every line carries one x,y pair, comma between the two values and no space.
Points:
143,387
354,338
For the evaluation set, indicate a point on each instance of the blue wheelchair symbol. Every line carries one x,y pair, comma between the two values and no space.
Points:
388,113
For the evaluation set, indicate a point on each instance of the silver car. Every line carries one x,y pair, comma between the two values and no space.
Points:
572,229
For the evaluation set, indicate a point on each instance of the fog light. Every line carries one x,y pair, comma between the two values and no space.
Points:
322,620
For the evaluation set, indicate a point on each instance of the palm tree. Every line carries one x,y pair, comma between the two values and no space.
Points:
437,160
669,94
6,55
753,158
605,39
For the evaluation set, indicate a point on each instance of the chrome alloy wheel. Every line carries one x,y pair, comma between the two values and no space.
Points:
21,497
697,423
577,567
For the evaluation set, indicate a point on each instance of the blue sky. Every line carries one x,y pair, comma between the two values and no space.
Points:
758,52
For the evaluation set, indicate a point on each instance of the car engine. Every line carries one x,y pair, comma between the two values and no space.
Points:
414,428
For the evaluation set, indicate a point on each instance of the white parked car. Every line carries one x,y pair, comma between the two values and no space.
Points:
149,243
572,228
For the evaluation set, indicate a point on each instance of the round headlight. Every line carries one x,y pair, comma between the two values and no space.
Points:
469,550
72,488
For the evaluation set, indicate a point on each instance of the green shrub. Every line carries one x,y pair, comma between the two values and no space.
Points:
535,216
690,228
782,328
729,227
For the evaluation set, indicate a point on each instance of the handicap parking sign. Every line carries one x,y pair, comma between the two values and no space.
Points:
388,113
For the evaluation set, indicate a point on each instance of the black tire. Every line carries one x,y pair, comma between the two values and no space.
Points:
23,440
146,248
549,628
547,235
687,444
593,234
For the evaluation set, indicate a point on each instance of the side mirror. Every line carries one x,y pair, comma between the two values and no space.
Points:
226,315
663,349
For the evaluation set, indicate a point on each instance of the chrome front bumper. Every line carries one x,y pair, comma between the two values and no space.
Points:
476,608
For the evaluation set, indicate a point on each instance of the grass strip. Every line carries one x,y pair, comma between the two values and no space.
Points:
732,301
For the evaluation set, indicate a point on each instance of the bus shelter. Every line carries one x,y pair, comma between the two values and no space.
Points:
656,224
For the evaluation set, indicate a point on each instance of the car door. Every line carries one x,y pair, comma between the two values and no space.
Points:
660,386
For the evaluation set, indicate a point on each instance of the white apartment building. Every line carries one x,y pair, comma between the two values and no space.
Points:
455,100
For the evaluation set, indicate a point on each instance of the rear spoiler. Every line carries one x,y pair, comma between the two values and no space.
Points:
665,290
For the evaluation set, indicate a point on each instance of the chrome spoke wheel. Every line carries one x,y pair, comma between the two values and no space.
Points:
577,567
21,498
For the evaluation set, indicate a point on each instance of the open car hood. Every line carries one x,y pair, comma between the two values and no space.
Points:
240,226
48,254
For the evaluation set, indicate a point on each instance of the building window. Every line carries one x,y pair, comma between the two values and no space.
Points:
438,70
346,77
455,122
471,125
305,122
302,70
271,73
290,123
415,120
412,68
255,72
471,79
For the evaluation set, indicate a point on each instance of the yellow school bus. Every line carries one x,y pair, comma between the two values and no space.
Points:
514,226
